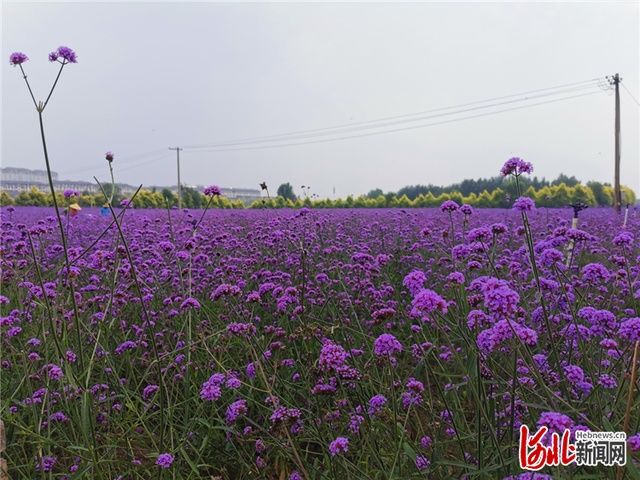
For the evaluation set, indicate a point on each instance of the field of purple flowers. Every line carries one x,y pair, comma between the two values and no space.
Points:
305,344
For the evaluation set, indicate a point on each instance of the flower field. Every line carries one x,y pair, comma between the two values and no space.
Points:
314,344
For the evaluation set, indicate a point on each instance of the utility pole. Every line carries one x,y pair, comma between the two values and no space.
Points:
617,194
177,149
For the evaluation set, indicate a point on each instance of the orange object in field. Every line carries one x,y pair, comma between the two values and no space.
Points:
74,209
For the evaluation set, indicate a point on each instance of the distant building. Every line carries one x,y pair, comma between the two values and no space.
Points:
14,180
14,174
247,195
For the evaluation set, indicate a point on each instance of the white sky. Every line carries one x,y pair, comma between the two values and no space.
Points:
153,75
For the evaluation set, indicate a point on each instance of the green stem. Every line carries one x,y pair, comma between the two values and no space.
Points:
64,246
62,64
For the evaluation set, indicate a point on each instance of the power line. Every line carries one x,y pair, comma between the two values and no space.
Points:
630,94
145,162
400,122
251,139
412,127
128,166
330,130
118,159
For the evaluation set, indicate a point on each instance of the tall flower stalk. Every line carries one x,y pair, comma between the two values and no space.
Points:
64,56
109,157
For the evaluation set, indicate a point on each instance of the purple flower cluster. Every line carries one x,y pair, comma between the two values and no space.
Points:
63,55
236,409
524,204
386,345
376,404
17,58
516,166
427,302
212,389
332,357
449,206
165,460
556,422
339,446
414,281
212,191
630,329
70,193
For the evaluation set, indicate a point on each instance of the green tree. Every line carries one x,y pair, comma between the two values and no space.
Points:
530,192
628,195
402,201
420,201
568,181
33,198
86,200
560,195
544,197
499,199
601,195
430,200
380,202
471,199
169,198
286,191
484,199
191,198
456,197
375,193
5,199
583,194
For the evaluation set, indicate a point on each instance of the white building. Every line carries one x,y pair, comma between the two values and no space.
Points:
14,180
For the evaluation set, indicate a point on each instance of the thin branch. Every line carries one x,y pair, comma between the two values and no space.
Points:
24,75
54,85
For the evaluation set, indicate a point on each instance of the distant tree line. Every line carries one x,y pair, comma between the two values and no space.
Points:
552,195
495,192
191,198
469,186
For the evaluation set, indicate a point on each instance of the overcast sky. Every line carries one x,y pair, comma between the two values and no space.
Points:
154,75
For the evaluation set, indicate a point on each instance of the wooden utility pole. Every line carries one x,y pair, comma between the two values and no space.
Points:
4,469
177,149
617,194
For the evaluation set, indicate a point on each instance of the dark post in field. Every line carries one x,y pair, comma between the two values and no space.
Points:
617,195
177,149
4,470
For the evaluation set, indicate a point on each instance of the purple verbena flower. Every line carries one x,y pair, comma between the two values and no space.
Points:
524,204
516,166
17,58
164,460
65,53
386,345
422,463
70,193
376,403
212,191
339,446
235,410
630,329
426,302
332,356
449,206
